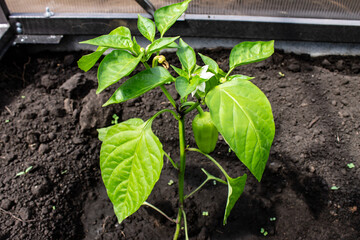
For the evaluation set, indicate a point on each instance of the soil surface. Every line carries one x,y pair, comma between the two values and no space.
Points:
49,112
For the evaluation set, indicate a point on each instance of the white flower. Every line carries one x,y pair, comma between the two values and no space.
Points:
204,75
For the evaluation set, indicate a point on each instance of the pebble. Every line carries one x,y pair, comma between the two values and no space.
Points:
325,63
340,65
312,169
343,171
25,213
294,67
51,136
44,148
41,189
345,102
6,204
336,91
333,102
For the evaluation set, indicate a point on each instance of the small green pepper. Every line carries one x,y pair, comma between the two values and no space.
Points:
205,132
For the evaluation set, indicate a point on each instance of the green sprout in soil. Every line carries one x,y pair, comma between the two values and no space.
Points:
132,156
272,219
171,182
116,118
335,188
24,172
350,165
7,120
263,232
205,213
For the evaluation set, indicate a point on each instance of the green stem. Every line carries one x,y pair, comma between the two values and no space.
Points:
197,189
159,211
161,112
167,94
146,65
195,105
181,175
212,159
185,226
172,161
231,69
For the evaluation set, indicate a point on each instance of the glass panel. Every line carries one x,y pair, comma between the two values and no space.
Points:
331,9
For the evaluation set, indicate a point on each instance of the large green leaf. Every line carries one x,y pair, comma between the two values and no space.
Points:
115,66
166,16
131,159
139,84
235,189
160,44
111,41
186,56
86,62
146,27
242,114
213,66
184,87
250,52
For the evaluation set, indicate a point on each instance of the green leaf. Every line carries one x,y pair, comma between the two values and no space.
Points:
131,159
180,72
86,62
166,16
136,46
242,114
213,66
111,41
235,189
186,56
160,44
121,31
184,87
250,52
115,66
139,84
146,27
239,77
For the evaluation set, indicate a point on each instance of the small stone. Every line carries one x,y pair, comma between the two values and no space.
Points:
47,82
25,213
344,101
343,171
344,81
44,148
312,169
263,77
69,60
51,136
68,106
58,112
336,91
77,140
41,189
6,204
44,112
333,102
340,65
298,138
325,63
294,67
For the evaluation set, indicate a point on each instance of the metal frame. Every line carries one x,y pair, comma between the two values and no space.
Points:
193,25
6,33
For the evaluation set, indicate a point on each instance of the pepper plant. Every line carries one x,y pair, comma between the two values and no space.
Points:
131,156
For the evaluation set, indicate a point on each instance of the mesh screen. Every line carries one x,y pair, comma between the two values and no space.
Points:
331,9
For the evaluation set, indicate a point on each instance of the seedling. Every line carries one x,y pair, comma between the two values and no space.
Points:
350,165
263,232
205,214
7,120
24,172
131,155
272,219
335,188
116,118
171,182
23,97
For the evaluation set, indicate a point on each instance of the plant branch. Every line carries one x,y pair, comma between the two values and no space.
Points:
169,97
172,161
185,226
198,188
231,69
193,106
211,158
159,211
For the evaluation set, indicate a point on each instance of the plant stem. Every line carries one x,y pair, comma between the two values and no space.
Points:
197,189
195,105
185,226
212,159
146,65
172,161
181,175
231,69
167,94
159,211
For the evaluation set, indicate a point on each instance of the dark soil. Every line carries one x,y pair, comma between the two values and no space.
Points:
49,113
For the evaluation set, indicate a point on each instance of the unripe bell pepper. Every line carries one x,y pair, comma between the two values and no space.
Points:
205,132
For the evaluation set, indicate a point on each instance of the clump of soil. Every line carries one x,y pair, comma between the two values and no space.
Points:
49,113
